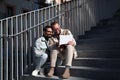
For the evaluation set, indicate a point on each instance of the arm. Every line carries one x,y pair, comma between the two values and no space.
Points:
39,47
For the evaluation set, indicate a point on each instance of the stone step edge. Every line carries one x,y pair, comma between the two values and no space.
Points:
97,59
92,68
57,78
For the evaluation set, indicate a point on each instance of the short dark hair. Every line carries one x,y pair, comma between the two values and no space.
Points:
45,28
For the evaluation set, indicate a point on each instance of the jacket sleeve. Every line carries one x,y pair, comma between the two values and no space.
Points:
37,49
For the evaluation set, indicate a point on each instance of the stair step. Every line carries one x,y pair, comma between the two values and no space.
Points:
28,77
102,35
109,22
99,53
104,29
92,73
99,46
114,21
105,32
98,62
99,40
98,37
114,24
76,78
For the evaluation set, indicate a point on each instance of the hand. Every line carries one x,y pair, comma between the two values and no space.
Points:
62,47
71,43
56,41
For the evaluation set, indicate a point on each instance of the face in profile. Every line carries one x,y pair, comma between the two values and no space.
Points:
56,29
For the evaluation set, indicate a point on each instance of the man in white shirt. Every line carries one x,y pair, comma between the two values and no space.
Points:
41,45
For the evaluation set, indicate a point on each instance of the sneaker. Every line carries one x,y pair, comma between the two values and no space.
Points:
42,72
41,75
35,72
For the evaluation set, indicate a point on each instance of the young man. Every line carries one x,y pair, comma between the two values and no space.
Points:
41,45
64,51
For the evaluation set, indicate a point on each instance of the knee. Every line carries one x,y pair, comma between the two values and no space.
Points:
69,46
54,51
44,56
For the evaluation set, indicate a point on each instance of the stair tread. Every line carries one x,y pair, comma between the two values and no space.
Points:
28,77
99,46
110,63
98,53
78,50
92,68
98,37
101,35
90,43
109,39
77,78
98,58
92,72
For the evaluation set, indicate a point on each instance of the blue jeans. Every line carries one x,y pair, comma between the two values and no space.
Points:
40,61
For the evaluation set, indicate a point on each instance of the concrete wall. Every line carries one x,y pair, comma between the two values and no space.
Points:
18,6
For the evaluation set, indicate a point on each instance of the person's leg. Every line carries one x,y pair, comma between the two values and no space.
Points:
69,55
53,59
68,62
40,61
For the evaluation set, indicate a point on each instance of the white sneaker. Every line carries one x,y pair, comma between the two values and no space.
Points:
35,72
42,71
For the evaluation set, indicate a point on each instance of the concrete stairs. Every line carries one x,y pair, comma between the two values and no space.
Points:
99,51
98,54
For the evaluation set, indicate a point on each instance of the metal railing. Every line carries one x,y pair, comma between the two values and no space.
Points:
18,33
